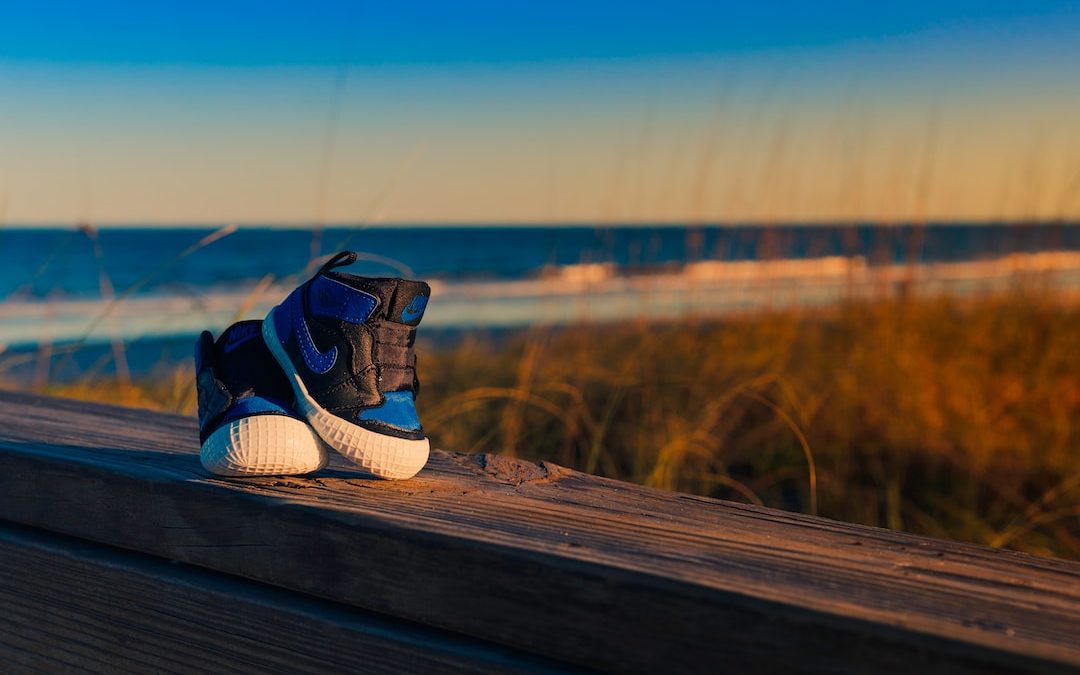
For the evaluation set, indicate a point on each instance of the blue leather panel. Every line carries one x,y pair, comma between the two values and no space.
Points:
398,411
330,298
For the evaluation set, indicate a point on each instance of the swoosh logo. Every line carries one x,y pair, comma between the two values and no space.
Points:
316,361
415,309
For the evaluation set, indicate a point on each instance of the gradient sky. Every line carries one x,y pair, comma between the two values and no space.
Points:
275,112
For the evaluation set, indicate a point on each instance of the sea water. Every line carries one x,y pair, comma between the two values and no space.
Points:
94,287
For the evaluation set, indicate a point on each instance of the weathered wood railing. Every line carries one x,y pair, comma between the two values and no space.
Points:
117,552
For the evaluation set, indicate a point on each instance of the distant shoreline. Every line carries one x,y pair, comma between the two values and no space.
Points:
568,225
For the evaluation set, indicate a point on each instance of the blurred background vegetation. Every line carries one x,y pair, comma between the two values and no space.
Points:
945,416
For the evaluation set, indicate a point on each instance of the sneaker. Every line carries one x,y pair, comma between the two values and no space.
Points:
345,343
246,423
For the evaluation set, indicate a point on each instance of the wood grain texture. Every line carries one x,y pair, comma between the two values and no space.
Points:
70,606
590,571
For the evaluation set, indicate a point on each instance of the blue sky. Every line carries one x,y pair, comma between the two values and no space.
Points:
210,112
278,33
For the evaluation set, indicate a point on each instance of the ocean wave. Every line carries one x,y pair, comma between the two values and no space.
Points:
560,295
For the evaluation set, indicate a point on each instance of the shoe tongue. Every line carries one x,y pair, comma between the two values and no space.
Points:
409,302
239,352
238,336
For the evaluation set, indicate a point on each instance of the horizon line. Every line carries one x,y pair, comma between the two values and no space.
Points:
509,224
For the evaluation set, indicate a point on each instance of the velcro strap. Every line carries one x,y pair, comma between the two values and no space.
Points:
395,357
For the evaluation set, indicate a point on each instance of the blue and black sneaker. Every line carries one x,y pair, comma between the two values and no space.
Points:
246,423
345,343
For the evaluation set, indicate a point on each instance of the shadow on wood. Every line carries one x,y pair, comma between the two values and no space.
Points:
69,605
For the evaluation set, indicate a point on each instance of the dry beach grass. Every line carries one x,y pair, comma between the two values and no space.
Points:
950,417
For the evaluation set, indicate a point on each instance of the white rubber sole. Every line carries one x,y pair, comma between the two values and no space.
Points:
378,454
263,445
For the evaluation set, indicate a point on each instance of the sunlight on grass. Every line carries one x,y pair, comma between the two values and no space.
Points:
944,416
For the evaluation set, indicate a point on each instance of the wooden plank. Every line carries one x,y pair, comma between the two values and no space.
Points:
71,606
591,571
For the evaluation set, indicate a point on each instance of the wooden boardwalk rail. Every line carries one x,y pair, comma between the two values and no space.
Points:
118,552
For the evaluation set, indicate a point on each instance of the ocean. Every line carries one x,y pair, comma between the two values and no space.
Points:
60,263
92,287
